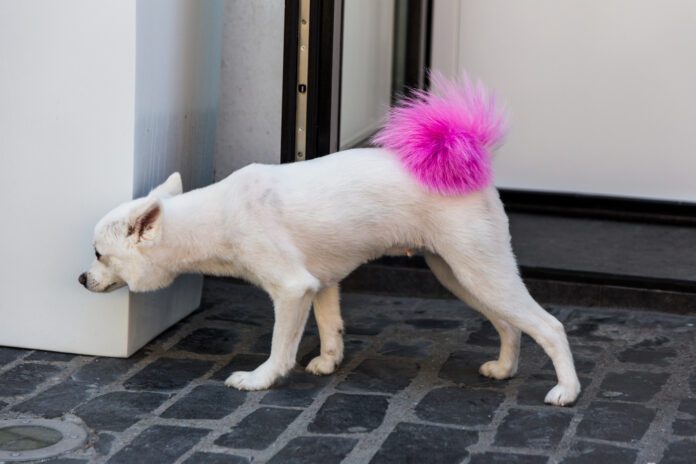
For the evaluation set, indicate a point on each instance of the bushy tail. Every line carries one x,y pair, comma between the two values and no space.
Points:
445,137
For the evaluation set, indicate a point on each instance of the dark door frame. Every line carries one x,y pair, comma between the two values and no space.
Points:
290,84
323,86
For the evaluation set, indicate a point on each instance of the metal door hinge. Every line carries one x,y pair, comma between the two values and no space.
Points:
302,73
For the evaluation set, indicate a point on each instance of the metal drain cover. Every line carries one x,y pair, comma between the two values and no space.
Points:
27,439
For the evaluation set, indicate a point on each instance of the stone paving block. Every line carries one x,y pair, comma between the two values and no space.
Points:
56,400
365,325
506,458
24,378
206,402
171,332
588,332
685,424
486,335
585,452
380,375
262,344
439,307
684,427
688,406
430,323
653,357
425,443
680,452
529,350
533,390
209,341
116,411
343,413
314,450
462,367
259,429
583,363
414,349
638,386
244,316
621,422
50,356
361,303
240,362
459,405
590,351
215,458
653,342
298,389
168,374
609,319
535,429
7,355
103,371
103,443
159,444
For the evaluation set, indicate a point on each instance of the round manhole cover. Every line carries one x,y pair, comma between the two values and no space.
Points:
27,439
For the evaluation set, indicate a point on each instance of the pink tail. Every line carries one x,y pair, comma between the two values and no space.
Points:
445,137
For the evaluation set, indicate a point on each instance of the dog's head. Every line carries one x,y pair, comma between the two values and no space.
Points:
125,244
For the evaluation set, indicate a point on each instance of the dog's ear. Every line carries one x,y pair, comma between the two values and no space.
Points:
145,220
169,188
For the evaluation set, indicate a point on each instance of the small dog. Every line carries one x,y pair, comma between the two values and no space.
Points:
296,230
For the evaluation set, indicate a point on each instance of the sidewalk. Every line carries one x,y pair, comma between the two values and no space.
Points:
408,390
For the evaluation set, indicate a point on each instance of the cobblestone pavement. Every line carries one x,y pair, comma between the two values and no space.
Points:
408,390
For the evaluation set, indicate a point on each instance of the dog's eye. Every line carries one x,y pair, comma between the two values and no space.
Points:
97,254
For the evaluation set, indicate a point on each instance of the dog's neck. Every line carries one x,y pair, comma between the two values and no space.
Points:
192,239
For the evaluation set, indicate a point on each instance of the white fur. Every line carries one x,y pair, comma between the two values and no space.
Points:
296,230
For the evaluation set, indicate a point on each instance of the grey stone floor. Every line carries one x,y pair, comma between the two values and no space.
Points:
408,390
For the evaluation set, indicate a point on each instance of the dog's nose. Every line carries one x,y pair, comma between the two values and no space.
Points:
83,279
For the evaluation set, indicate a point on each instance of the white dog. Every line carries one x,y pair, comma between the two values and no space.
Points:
296,230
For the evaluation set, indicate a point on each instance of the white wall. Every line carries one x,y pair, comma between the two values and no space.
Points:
66,145
602,92
251,85
98,101
177,90
368,35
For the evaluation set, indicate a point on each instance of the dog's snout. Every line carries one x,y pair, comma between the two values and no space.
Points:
83,279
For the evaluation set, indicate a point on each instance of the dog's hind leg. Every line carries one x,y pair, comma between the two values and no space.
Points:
506,364
479,254
491,277
291,303
327,312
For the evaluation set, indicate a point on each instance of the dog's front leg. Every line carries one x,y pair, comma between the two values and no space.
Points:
291,307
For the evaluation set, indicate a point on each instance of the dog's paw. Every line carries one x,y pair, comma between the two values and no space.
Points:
497,370
322,365
250,380
562,395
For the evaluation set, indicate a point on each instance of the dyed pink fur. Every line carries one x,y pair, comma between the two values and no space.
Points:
445,137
